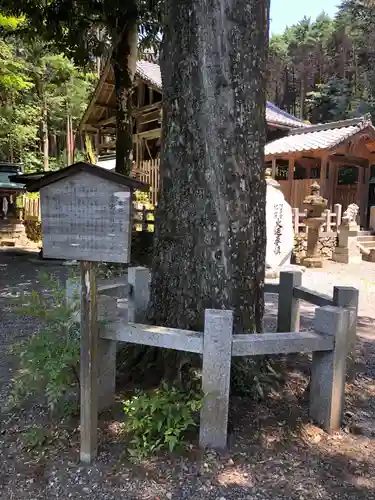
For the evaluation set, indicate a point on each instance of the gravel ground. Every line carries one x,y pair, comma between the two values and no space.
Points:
275,452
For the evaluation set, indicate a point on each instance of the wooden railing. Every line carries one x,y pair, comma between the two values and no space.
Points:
31,209
148,172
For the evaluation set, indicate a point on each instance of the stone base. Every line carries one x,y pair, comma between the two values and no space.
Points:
13,234
312,262
345,256
370,257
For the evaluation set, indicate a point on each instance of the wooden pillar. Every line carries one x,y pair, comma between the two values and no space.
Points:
323,175
290,180
332,182
364,172
273,168
365,192
359,186
89,363
97,143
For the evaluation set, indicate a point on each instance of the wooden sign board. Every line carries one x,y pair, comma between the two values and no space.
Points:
85,217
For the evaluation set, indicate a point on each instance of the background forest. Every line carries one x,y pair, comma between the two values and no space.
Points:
318,70
324,70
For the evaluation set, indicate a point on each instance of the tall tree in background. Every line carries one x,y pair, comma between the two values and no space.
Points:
210,231
325,69
40,90
76,28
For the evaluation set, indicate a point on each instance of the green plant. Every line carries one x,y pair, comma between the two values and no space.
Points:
49,359
34,437
33,229
254,378
159,419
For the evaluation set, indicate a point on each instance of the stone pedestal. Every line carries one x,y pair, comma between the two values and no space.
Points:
347,251
12,232
313,257
314,205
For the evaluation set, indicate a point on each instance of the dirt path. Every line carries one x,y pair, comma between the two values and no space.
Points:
275,452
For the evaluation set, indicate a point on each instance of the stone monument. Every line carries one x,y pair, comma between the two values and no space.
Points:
314,205
347,251
279,223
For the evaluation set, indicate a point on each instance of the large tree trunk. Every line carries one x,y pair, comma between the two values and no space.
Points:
210,228
124,59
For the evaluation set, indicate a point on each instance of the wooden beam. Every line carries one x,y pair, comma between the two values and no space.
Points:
366,187
103,105
323,175
146,109
149,117
107,121
290,180
359,187
95,97
151,134
348,160
274,168
329,188
148,149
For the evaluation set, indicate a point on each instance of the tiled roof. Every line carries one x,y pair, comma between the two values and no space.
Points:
6,172
281,117
150,72
313,137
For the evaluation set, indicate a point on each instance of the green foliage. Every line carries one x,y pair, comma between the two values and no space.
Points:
253,377
49,359
34,437
40,89
330,101
324,69
159,420
33,229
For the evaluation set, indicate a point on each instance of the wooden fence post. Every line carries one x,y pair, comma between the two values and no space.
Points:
217,358
89,363
139,280
288,314
328,371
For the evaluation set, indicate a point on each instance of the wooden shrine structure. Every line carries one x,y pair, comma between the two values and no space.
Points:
99,119
339,155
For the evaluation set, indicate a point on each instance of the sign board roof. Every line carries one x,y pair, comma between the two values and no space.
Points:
95,170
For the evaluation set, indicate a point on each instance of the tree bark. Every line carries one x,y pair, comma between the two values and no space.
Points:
45,137
124,59
210,221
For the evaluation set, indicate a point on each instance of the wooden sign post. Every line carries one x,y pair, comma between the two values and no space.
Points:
87,216
89,362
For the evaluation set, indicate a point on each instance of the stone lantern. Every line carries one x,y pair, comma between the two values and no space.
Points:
314,205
